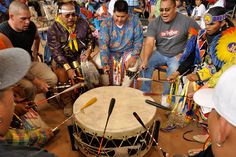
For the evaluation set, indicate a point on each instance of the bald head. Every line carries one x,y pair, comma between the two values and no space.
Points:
16,6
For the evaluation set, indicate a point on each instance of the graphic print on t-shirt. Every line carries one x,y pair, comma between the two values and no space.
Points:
169,34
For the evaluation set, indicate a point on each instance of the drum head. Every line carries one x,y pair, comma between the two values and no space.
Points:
122,123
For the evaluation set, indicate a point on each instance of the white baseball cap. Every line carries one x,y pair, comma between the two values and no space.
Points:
14,64
222,98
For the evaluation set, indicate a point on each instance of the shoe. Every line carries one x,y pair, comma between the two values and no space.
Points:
201,138
164,101
68,110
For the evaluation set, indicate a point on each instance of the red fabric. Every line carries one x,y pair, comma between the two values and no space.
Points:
2,45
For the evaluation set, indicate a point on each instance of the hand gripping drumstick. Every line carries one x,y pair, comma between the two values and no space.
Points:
153,139
90,102
67,90
112,104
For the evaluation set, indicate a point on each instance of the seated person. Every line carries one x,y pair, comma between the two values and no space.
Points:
14,64
203,55
180,8
120,43
23,33
71,42
169,32
222,118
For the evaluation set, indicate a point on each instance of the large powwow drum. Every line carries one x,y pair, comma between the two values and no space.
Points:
124,135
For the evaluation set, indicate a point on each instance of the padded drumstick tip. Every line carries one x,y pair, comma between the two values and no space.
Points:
112,104
90,102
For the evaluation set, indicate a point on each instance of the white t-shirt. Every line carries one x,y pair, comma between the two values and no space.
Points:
199,11
111,6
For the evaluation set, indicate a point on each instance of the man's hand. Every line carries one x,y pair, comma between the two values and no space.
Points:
40,84
172,77
20,109
143,65
178,56
192,77
130,62
71,74
35,56
49,133
106,69
85,56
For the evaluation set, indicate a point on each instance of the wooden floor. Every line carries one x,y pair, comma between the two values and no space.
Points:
171,142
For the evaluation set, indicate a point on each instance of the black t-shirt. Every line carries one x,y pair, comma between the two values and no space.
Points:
22,39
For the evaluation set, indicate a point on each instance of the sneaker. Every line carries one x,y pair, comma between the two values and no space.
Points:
68,110
164,101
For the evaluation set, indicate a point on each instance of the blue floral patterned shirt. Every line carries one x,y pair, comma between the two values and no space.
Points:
116,41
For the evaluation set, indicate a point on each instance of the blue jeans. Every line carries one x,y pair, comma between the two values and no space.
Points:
155,61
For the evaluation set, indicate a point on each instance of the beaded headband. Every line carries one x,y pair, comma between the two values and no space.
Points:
62,11
209,19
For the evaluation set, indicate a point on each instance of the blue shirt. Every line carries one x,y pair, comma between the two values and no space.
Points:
3,8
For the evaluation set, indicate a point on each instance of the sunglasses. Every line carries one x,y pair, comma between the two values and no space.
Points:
164,9
70,14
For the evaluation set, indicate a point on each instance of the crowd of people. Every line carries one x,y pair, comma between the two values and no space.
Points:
199,45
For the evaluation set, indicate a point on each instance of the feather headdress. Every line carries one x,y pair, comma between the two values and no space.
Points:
223,47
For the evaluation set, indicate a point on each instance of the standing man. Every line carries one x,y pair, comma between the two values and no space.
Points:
169,32
23,33
70,41
120,42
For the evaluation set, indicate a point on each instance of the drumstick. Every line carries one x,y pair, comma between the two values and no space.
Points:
90,102
153,94
153,139
148,79
67,90
112,104
157,105
135,75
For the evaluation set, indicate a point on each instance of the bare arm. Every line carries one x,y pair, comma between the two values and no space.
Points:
35,46
148,49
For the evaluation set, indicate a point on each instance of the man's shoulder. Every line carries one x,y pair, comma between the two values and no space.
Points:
133,19
4,25
32,25
55,26
157,21
181,17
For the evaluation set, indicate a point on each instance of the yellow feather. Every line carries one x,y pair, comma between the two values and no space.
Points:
75,44
70,44
227,41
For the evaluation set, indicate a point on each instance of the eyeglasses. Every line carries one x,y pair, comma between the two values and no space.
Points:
164,9
70,14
